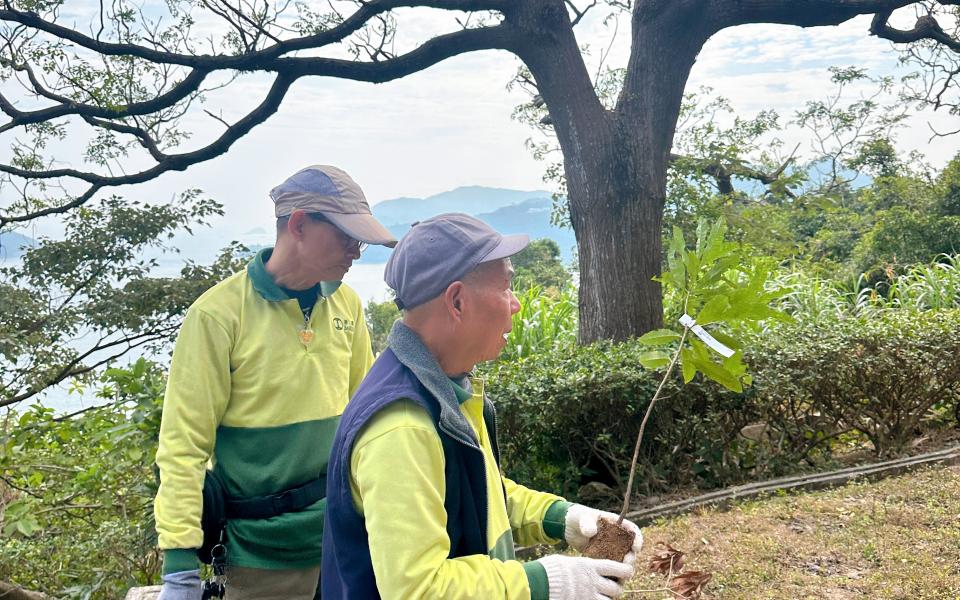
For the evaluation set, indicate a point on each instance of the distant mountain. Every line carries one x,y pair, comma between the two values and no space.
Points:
530,216
11,244
508,211
472,200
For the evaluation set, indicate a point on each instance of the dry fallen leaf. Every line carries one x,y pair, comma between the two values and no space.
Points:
689,585
667,560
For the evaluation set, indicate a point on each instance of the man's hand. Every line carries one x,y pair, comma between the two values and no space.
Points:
581,525
576,578
183,585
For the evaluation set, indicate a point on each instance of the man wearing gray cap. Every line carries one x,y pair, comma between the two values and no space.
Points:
262,369
416,504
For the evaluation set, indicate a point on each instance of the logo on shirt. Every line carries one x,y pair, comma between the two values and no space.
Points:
343,324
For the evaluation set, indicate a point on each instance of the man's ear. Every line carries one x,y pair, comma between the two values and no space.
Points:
296,222
453,298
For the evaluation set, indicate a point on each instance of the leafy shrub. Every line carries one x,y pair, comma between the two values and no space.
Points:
380,317
78,508
878,375
570,415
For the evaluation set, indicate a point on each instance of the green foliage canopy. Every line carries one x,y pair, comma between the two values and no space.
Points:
74,304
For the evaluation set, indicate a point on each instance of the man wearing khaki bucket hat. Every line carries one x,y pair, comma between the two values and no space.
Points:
262,370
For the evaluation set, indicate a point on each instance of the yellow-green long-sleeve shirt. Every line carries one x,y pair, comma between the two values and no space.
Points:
397,484
248,395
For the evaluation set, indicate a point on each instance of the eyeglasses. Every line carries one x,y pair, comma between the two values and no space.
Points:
348,242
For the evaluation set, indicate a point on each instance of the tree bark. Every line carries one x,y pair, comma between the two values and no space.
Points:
616,161
616,211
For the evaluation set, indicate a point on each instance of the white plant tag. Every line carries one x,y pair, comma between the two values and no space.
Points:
688,322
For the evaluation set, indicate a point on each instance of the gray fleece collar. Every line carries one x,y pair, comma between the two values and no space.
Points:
411,351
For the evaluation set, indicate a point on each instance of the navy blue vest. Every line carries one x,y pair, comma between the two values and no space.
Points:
347,569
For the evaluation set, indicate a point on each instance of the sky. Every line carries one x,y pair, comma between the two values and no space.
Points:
450,126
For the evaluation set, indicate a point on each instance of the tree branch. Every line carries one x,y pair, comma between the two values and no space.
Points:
173,162
428,54
290,69
141,134
578,13
926,28
189,85
74,367
802,13
724,173
62,208
251,60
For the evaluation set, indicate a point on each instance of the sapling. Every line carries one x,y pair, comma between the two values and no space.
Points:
726,292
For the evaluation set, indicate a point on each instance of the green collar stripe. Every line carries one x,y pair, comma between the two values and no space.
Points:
462,394
268,289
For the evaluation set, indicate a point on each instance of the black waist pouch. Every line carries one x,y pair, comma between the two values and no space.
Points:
213,521
218,508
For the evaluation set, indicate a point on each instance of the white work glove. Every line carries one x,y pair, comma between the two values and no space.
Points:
581,525
581,578
183,585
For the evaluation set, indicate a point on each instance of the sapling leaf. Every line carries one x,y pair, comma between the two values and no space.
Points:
714,310
721,376
726,340
716,246
702,234
692,263
27,526
659,337
713,371
687,366
654,359
734,365
715,274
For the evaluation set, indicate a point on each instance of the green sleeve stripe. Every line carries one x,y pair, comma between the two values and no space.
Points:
537,577
179,559
554,522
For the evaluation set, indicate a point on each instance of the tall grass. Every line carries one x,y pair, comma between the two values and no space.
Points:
934,286
548,318
544,321
927,287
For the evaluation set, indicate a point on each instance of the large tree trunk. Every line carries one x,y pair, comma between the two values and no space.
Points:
616,206
615,161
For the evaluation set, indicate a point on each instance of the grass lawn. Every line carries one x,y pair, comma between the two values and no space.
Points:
895,538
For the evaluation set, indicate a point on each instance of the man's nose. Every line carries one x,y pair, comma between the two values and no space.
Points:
514,303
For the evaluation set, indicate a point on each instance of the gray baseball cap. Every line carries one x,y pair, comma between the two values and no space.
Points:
331,192
443,249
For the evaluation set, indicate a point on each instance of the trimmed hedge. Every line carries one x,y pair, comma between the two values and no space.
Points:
879,376
571,416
